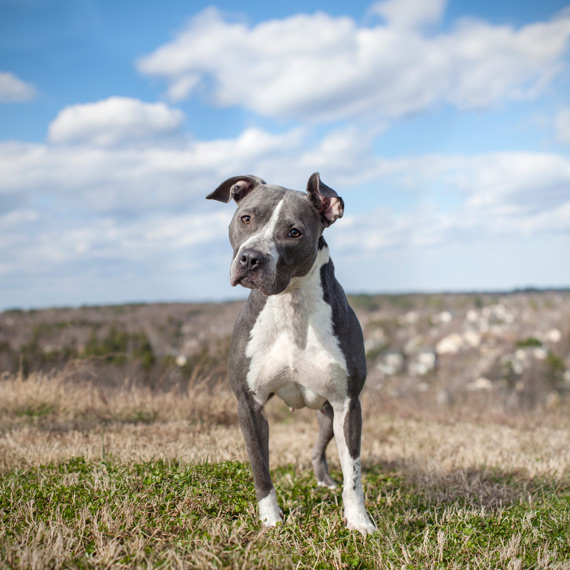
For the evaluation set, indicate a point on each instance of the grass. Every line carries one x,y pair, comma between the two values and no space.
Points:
104,514
134,479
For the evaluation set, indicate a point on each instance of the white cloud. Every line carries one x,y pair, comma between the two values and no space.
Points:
14,90
409,14
182,88
114,121
67,242
322,68
562,124
120,200
94,215
515,195
130,179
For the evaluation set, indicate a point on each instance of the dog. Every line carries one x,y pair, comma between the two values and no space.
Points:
296,336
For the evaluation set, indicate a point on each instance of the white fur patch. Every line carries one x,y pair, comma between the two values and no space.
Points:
293,350
263,239
269,511
352,496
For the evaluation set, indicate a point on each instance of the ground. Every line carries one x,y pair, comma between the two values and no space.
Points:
123,477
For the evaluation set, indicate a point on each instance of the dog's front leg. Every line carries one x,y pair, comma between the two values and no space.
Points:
255,431
347,431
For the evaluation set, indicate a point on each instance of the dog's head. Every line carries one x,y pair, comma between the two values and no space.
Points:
275,232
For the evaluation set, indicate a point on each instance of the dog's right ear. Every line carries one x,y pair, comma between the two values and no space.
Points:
237,187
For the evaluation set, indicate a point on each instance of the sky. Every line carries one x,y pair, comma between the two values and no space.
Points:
444,125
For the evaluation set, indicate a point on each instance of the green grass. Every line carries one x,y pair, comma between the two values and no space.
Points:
529,342
90,514
36,411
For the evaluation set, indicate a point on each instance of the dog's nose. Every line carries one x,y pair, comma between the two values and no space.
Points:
250,259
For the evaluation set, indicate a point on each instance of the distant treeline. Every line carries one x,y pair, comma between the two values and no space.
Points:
107,345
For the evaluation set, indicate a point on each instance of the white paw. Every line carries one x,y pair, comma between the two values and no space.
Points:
271,521
361,522
269,512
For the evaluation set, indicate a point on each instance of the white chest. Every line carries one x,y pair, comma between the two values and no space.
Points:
292,349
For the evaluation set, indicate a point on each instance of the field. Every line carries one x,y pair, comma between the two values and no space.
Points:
461,468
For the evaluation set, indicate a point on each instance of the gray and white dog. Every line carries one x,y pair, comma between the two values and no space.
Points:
296,336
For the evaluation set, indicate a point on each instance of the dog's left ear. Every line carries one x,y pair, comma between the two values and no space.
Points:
327,202
237,187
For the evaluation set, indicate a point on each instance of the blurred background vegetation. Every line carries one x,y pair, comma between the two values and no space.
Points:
432,349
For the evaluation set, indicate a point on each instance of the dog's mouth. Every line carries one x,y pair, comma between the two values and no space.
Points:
243,280
257,280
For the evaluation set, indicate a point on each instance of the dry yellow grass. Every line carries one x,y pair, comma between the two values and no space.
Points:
467,467
47,418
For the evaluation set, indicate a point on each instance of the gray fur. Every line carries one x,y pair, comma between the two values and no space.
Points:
319,458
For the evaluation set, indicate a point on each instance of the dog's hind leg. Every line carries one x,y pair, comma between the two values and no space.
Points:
318,456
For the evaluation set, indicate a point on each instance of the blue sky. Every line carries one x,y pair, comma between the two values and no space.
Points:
444,125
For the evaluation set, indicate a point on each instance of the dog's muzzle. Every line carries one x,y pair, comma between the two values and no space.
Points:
248,268
251,260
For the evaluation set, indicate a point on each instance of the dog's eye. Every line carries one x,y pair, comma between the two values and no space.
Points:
294,233
246,219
